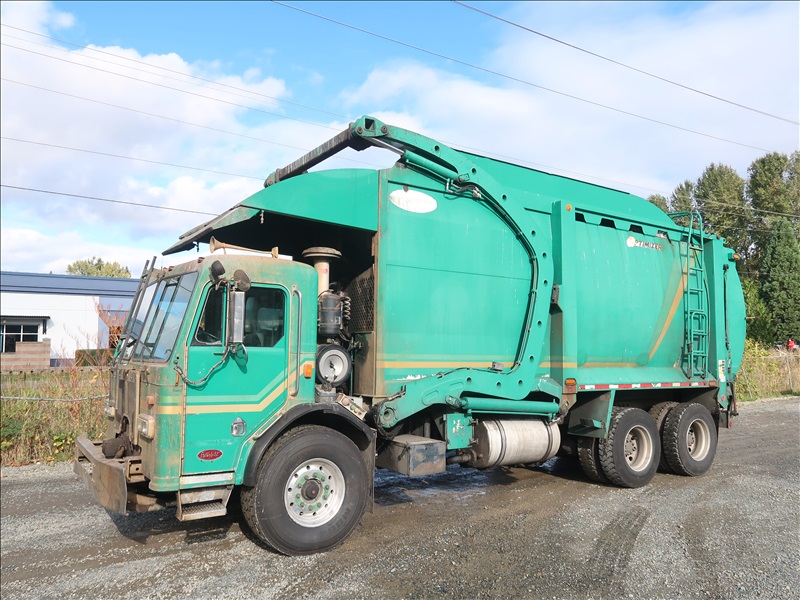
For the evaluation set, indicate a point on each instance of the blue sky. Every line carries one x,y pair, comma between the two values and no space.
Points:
234,90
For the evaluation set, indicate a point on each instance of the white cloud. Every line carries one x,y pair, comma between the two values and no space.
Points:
744,51
22,248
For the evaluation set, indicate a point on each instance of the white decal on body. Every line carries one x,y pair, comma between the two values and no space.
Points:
413,201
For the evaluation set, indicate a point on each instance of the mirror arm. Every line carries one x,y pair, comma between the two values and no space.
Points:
200,382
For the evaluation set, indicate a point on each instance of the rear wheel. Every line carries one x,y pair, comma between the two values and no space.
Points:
690,439
630,453
311,492
659,413
589,457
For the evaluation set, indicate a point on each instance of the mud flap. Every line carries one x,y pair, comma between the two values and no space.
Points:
104,476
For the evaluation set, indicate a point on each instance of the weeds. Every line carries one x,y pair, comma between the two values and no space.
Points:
767,373
62,404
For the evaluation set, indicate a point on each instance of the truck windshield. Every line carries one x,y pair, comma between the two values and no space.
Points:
160,316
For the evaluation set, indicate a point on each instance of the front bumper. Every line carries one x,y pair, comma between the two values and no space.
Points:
107,477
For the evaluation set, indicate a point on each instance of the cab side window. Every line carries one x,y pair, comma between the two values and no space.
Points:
264,317
209,329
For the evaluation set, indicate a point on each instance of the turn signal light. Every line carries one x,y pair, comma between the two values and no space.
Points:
308,370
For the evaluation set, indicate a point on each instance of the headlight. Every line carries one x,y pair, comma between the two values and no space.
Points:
146,425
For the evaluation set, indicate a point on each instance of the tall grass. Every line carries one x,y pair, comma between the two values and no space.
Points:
42,413
768,373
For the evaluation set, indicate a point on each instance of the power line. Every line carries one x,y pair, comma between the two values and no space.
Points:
476,150
141,62
297,147
154,162
516,79
621,64
487,153
161,85
772,274
183,210
149,114
770,212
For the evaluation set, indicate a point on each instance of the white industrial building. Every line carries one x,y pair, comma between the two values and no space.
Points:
45,318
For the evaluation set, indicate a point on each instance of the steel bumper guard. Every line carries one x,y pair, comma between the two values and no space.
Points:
104,476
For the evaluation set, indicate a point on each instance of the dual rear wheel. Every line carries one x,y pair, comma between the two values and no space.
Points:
674,437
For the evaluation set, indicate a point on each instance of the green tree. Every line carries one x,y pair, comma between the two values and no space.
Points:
759,322
773,186
659,200
682,198
97,267
779,279
719,194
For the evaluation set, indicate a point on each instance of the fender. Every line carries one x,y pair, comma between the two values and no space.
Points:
334,416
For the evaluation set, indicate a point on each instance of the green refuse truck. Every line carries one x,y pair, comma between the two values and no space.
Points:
450,310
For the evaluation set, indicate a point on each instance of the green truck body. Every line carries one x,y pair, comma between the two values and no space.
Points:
450,309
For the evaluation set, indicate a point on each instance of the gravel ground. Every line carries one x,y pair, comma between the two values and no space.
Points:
538,533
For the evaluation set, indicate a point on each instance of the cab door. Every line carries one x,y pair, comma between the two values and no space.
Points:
242,392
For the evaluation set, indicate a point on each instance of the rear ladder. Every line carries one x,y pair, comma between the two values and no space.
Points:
695,298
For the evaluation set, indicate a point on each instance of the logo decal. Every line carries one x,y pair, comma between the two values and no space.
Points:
632,242
209,454
412,201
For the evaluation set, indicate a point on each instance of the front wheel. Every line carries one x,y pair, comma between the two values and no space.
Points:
630,453
311,492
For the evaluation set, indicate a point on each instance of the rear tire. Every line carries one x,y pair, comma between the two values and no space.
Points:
589,457
659,413
690,439
630,453
311,492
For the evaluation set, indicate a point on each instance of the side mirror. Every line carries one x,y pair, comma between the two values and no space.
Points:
217,271
241,279
236,318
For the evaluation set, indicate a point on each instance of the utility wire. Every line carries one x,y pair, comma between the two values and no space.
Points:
344,117
149,114
182,210
772,274
477,150
516,79
161,85
141,62
770,212
296,147
231,133
621,64
154,162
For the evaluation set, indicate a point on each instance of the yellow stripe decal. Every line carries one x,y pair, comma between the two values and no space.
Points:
217,404
433,365
676,301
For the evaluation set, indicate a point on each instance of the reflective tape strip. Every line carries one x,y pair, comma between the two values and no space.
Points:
628,386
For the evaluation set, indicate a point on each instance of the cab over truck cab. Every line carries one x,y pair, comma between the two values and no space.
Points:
450,309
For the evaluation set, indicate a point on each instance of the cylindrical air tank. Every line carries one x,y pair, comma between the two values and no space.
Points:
514,442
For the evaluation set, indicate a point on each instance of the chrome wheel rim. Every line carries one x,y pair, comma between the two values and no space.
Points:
698,439
638,449
314,492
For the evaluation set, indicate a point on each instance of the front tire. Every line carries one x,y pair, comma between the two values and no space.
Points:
311,491
690,439
630,453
